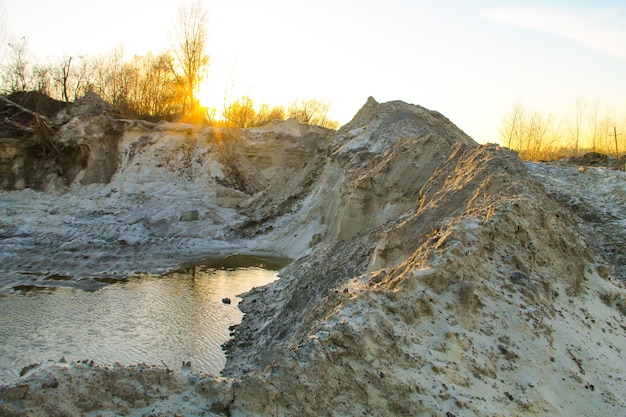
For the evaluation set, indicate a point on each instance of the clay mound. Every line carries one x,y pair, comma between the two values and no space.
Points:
23,113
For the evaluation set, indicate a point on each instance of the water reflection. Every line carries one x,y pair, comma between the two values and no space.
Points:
153,319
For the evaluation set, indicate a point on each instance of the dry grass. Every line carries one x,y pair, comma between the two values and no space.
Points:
555,153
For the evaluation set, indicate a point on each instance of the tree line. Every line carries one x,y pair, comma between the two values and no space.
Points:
154,87
539,136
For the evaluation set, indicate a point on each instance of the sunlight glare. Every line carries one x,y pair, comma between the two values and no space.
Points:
205,97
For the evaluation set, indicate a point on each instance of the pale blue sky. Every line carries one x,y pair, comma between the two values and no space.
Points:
470,60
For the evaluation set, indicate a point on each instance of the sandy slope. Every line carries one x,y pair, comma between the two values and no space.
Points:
490,301
434,277
176,196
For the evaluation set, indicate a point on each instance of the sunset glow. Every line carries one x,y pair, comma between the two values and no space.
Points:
206,97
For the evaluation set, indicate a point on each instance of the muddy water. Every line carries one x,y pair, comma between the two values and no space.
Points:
153,319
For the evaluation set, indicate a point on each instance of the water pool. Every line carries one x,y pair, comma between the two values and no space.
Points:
156,319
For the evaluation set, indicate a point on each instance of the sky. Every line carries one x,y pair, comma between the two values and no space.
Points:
469,60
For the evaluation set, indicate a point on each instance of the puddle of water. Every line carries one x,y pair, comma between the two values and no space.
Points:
167,319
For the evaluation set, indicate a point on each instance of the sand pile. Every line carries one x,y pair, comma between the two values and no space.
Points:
483,298
434,277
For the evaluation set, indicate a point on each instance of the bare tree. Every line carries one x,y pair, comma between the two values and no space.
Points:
42,80
533,134
143,86
162,92
512,124
107,79
15,74
71,77
576,129
593,125
312,112
605,132
268,114
3,33
189,48
241,112
539,137
153,88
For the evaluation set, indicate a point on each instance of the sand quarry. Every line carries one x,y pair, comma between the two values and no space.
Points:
431,275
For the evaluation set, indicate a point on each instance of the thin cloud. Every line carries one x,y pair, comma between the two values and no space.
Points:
603,30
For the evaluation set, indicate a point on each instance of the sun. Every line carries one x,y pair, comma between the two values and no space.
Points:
205,97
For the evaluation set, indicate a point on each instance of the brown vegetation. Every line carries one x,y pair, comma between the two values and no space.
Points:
536,136
154,87
161,86
243,113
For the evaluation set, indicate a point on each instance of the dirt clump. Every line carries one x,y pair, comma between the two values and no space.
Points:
47,144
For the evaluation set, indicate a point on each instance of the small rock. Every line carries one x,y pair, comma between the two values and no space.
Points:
603,271
520,278
226,300
190,216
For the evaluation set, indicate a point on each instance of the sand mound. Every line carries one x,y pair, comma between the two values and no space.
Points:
496,307
483,296
433,277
